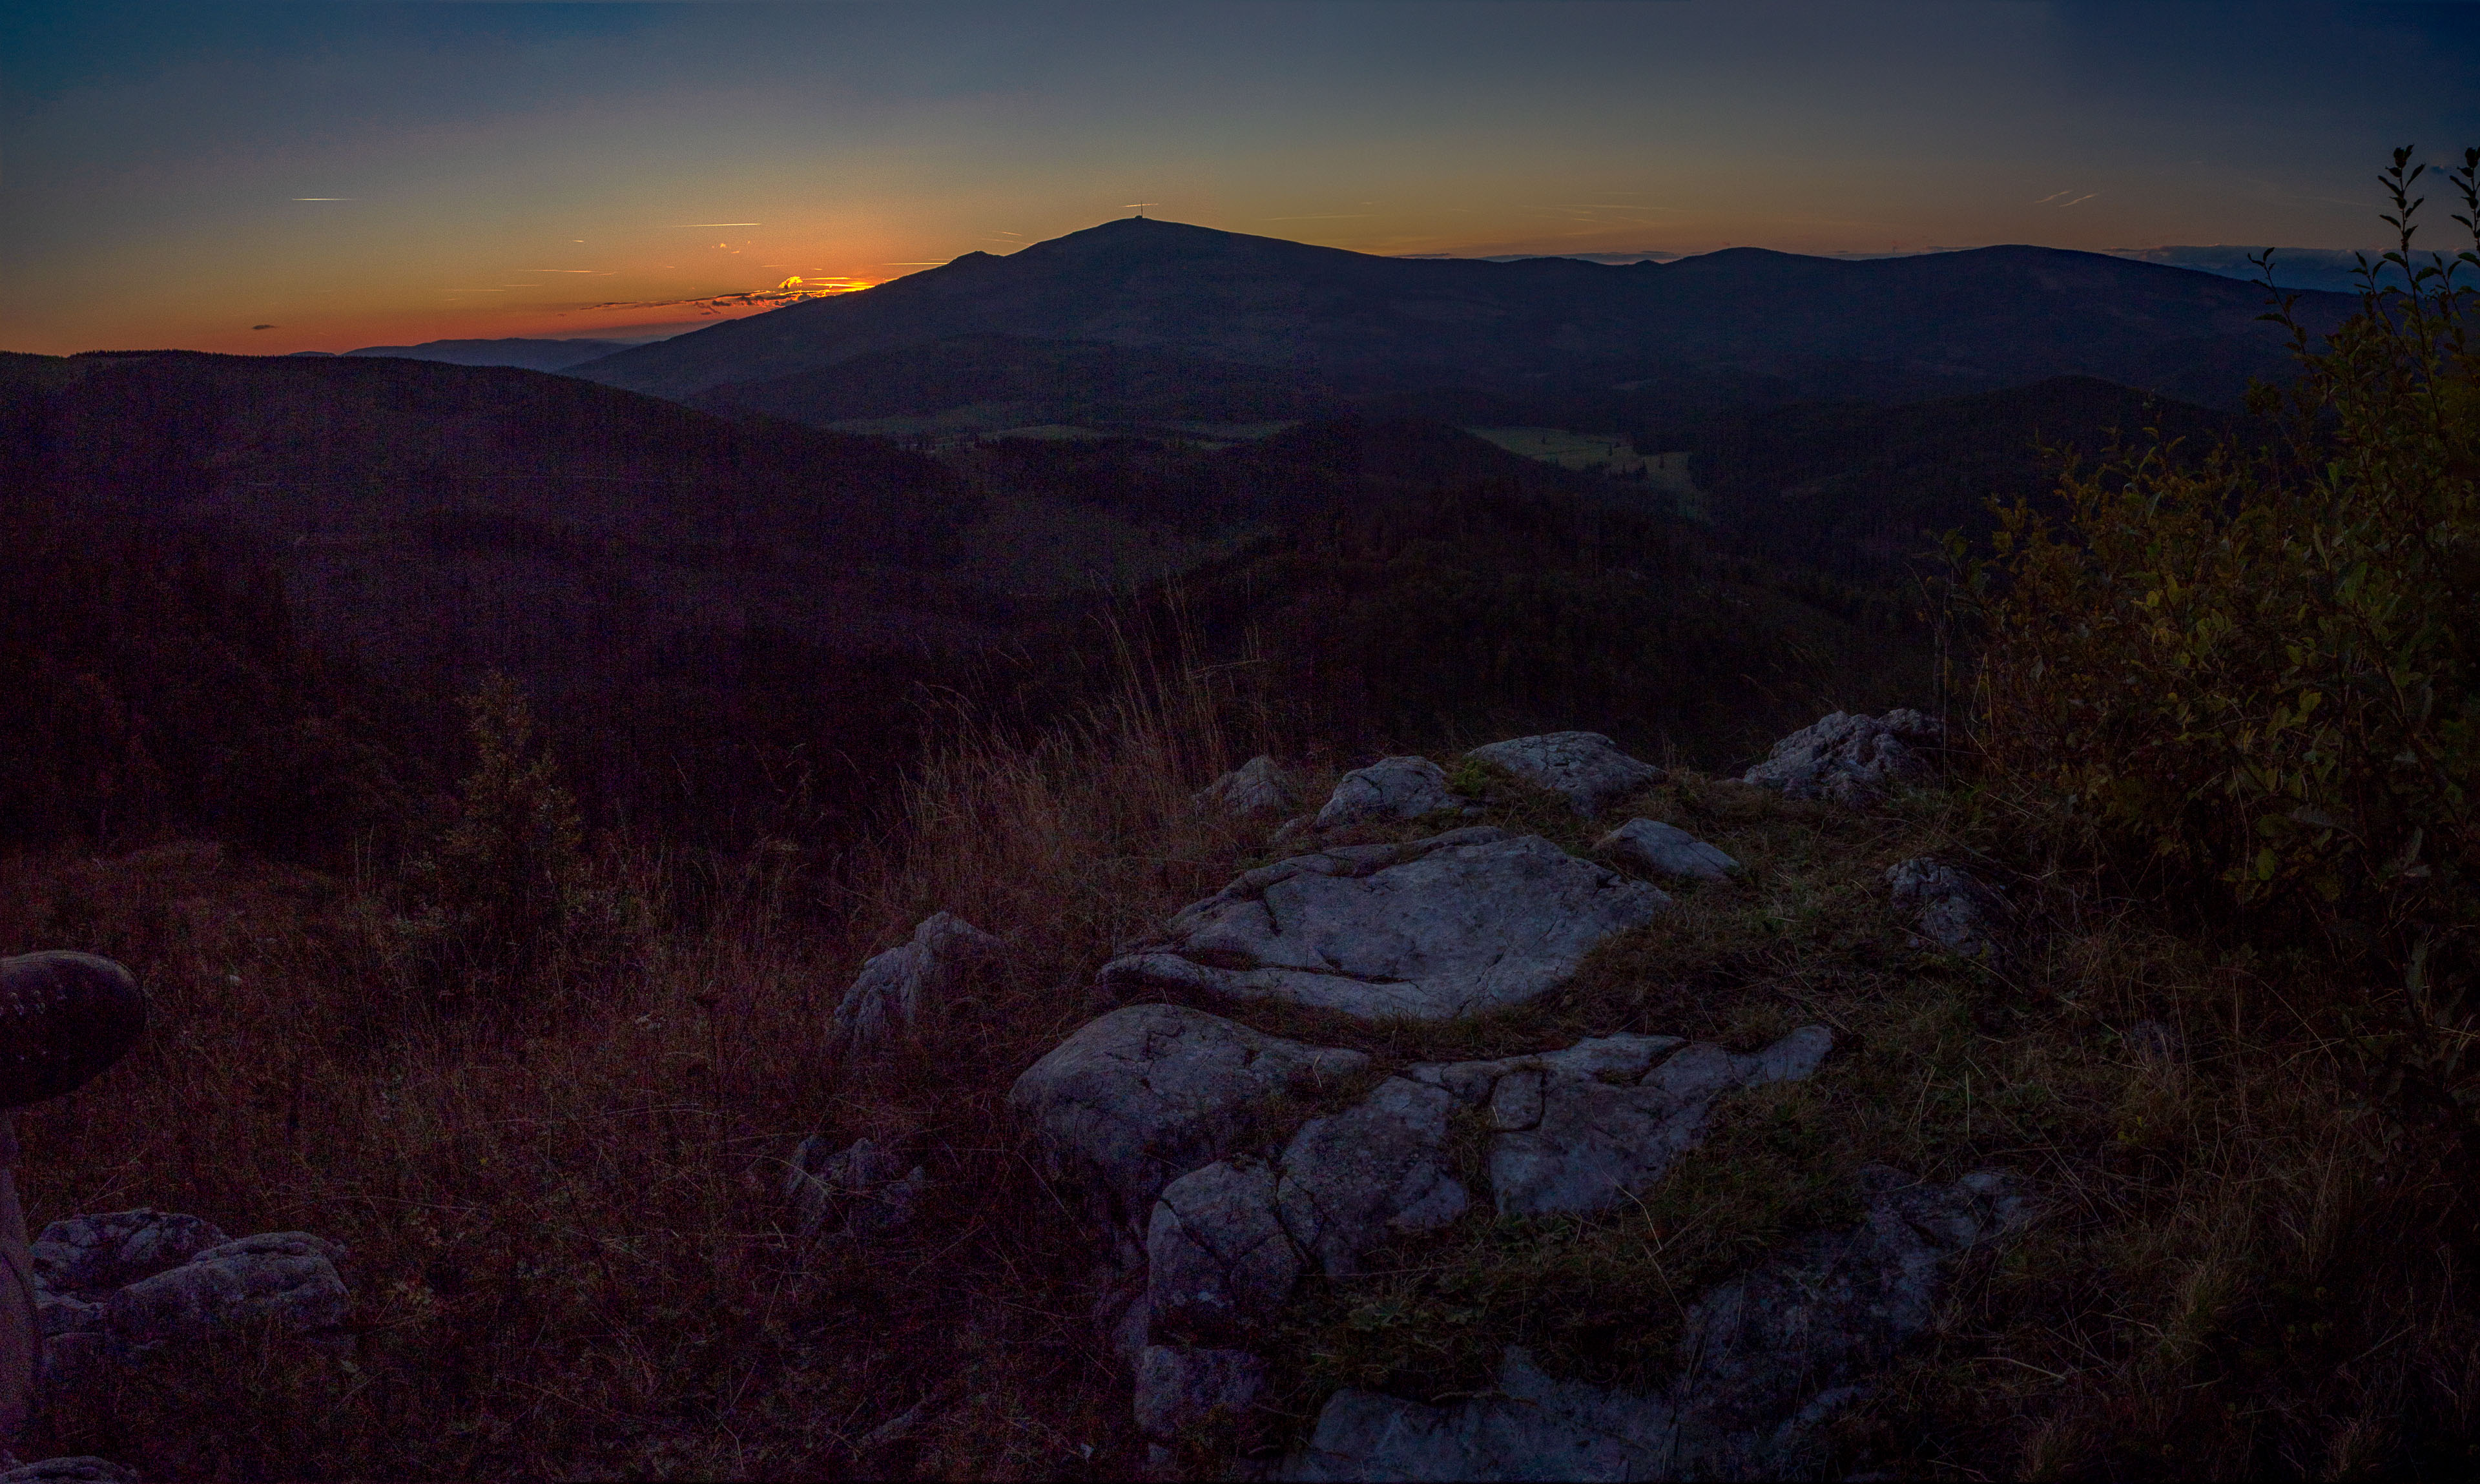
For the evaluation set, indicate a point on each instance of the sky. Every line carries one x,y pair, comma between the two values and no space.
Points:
326,174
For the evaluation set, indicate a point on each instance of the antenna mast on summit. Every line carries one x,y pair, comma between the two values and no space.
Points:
1139,207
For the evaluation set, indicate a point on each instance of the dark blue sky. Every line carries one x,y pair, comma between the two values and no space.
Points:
499,168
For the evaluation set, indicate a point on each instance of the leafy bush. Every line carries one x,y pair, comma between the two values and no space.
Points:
2257,669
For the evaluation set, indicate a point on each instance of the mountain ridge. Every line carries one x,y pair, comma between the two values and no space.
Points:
1351,322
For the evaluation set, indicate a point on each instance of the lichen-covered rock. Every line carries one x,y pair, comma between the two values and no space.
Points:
1764,1362
1954,912
1149,1092
95,1254
1593,1145
1667,850
1847,758
1586,766
1178,1388
1351,1181
1217,1257
289,1277
860,1193
893,988
1389,789
1255,789
1459,924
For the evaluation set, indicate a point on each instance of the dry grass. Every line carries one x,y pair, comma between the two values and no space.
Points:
570,1258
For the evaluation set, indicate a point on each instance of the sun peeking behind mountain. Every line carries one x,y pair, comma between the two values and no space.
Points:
791,291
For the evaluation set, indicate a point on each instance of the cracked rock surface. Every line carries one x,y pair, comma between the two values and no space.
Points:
1459,924
1586,766
1354,1180
1217,1257
1847,758
1149,1092
1765,1360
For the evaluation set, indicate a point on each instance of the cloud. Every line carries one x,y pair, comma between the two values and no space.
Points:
686,225
266,326
326,198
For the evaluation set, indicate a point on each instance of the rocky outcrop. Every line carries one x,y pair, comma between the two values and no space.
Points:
1255,789
1950,908
1149,1093
1389,789
1568,1139
859,1194
1850,759
1667,850
1459,924
109,1289
1584,766
1218,1259
892,988
1763,1363
1354,1180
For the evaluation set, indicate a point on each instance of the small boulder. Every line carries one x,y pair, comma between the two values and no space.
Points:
1850,759
1149,1092
861,1192
1256,788
1954,912
1217,1258
95,1254
287,1276
1178,1388
1586,766
1351,1181
1389,789
1667,850
1459,924
893,988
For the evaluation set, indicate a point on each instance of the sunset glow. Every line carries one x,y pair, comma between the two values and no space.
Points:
384,173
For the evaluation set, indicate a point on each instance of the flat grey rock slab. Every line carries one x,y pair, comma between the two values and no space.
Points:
1460,924
1586,1128
1586,766
1593,1145
1667,850
1764,1362
1953,910
889,995
1354,1180
1149,1092
1255,789
1848,758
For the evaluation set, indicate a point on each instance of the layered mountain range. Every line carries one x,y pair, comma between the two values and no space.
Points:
1140,320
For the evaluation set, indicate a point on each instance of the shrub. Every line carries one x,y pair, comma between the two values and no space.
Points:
2257,669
